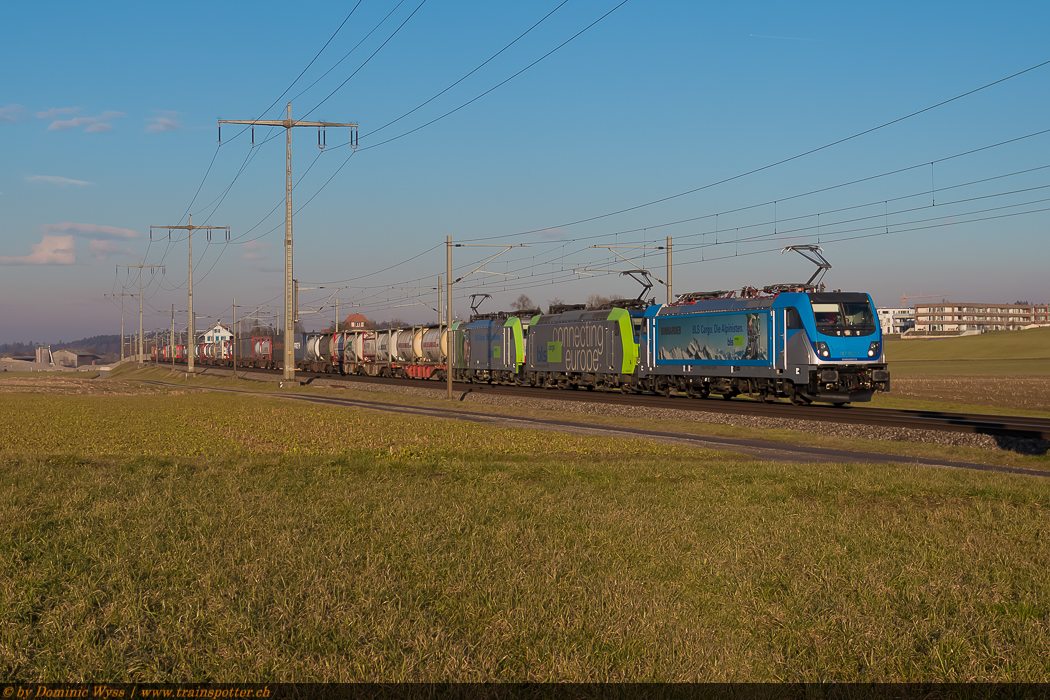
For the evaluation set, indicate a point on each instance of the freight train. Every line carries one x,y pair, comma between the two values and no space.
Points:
796,342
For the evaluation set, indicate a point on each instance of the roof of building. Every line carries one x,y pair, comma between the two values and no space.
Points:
79,352
355,318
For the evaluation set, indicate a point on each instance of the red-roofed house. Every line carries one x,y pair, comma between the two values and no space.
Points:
353,321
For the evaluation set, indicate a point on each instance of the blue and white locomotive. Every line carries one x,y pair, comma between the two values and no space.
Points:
807,345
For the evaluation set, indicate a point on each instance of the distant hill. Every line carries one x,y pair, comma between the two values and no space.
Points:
97,344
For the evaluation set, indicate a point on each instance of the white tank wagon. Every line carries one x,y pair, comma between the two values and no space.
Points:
417,352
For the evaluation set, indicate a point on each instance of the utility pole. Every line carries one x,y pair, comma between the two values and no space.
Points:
450,345
288,123
121,320
235,337
140,266
172,348
190,228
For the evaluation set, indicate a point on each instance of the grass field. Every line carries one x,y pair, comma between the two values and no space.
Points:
1033,344
1007,370
163,536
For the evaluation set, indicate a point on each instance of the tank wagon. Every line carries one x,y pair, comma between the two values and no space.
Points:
418,352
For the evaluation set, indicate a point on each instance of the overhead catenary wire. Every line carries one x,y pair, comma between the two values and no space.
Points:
774,164
545,258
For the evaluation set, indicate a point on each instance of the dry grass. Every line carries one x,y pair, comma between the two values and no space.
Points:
223,538
524,568
77,385
1017,392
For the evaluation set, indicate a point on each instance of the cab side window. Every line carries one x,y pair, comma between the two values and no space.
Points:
794,321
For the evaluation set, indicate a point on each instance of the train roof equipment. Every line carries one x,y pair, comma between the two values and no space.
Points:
562,308
813,253
476,301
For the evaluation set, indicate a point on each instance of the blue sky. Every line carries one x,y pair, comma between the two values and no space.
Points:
108,116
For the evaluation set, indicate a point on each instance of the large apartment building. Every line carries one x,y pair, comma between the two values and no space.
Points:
954,316
896,320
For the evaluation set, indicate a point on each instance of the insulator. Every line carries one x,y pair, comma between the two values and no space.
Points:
220,133
253,137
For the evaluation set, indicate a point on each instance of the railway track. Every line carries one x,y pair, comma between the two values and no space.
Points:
999,426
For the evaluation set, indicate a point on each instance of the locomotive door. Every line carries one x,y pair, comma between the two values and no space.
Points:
507,348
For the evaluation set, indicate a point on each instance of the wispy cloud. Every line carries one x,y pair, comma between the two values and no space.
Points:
10,114
89,230
55,180
255,250
52,250
96,124
166,120
56,112
103,250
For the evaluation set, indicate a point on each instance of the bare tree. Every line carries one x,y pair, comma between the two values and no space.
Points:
522,303
556,301
596,301
392,323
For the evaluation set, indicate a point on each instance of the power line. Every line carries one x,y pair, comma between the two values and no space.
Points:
479,67
498,85
340,87
772,165
347,54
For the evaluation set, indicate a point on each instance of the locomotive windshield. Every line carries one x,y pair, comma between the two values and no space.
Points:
844,316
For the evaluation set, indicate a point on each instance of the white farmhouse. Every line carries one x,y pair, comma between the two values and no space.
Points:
215,334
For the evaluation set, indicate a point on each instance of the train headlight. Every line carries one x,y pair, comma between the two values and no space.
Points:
873,349
822,349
